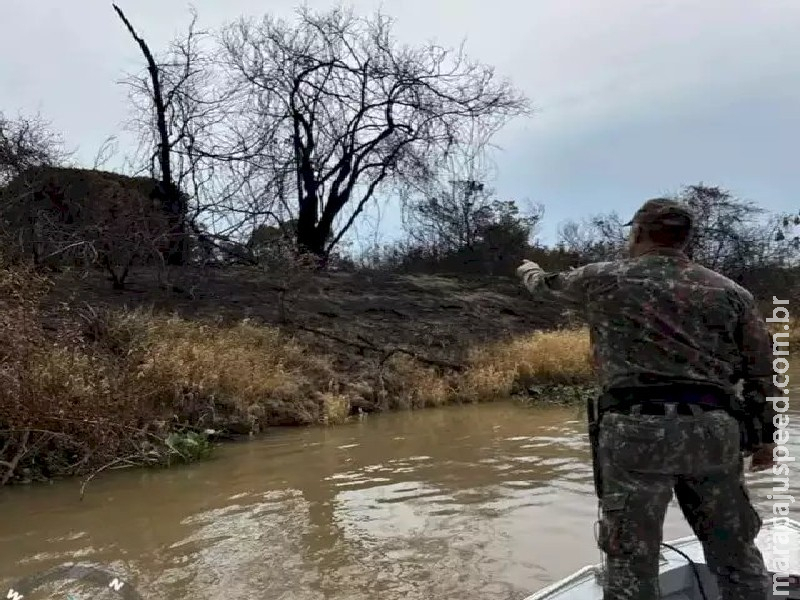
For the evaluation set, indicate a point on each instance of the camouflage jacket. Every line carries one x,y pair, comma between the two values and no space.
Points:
661,317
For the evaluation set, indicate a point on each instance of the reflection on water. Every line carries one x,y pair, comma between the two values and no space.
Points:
489,502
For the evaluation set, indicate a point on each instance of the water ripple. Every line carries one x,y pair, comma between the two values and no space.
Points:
484,502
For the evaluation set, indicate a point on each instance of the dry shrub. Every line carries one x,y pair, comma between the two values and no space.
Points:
124,334
83,399
409,384
67,408
21,290
244,370
485,382
62,409
552,357
66,216
335,408
493,373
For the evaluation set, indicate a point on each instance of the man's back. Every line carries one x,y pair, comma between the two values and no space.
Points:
663,318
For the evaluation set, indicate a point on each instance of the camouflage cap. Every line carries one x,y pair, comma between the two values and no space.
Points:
663,211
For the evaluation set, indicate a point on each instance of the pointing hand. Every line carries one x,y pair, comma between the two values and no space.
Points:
527,266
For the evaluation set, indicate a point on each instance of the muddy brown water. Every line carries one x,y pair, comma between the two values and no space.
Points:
482,502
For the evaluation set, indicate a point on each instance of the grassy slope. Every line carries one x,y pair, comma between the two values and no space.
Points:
343,342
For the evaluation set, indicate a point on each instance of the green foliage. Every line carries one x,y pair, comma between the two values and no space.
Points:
536,395
188,446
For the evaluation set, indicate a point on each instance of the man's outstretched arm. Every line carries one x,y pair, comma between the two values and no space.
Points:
568,287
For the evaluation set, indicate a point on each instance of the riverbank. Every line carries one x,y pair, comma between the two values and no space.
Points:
97,379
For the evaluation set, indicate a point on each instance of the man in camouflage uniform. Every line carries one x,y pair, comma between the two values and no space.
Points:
670,339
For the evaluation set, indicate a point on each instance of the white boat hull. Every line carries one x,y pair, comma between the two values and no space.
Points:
677,578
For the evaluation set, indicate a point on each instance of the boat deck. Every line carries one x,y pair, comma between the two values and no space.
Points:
779,541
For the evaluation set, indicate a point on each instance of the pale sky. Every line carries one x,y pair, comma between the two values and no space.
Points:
634,98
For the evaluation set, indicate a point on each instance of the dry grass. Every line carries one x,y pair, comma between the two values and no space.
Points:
495,372
405,384
555,357
208,372
127,376
260,372
111,387
240,370
62,407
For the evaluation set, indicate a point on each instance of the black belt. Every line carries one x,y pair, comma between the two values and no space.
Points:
652,400
660,408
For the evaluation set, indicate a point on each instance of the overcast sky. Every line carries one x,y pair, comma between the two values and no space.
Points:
634,98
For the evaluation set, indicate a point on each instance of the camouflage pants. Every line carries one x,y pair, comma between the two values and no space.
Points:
643,459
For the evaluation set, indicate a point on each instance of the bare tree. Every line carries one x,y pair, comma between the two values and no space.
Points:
598,238
105,152
333,101
731,234
448,210
225,197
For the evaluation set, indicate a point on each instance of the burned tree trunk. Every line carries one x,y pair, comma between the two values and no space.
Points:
171,198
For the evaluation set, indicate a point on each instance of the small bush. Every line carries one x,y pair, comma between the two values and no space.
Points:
555,357
242,369
189,446
408,384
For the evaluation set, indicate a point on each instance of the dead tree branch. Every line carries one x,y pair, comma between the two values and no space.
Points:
385,353
11,466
